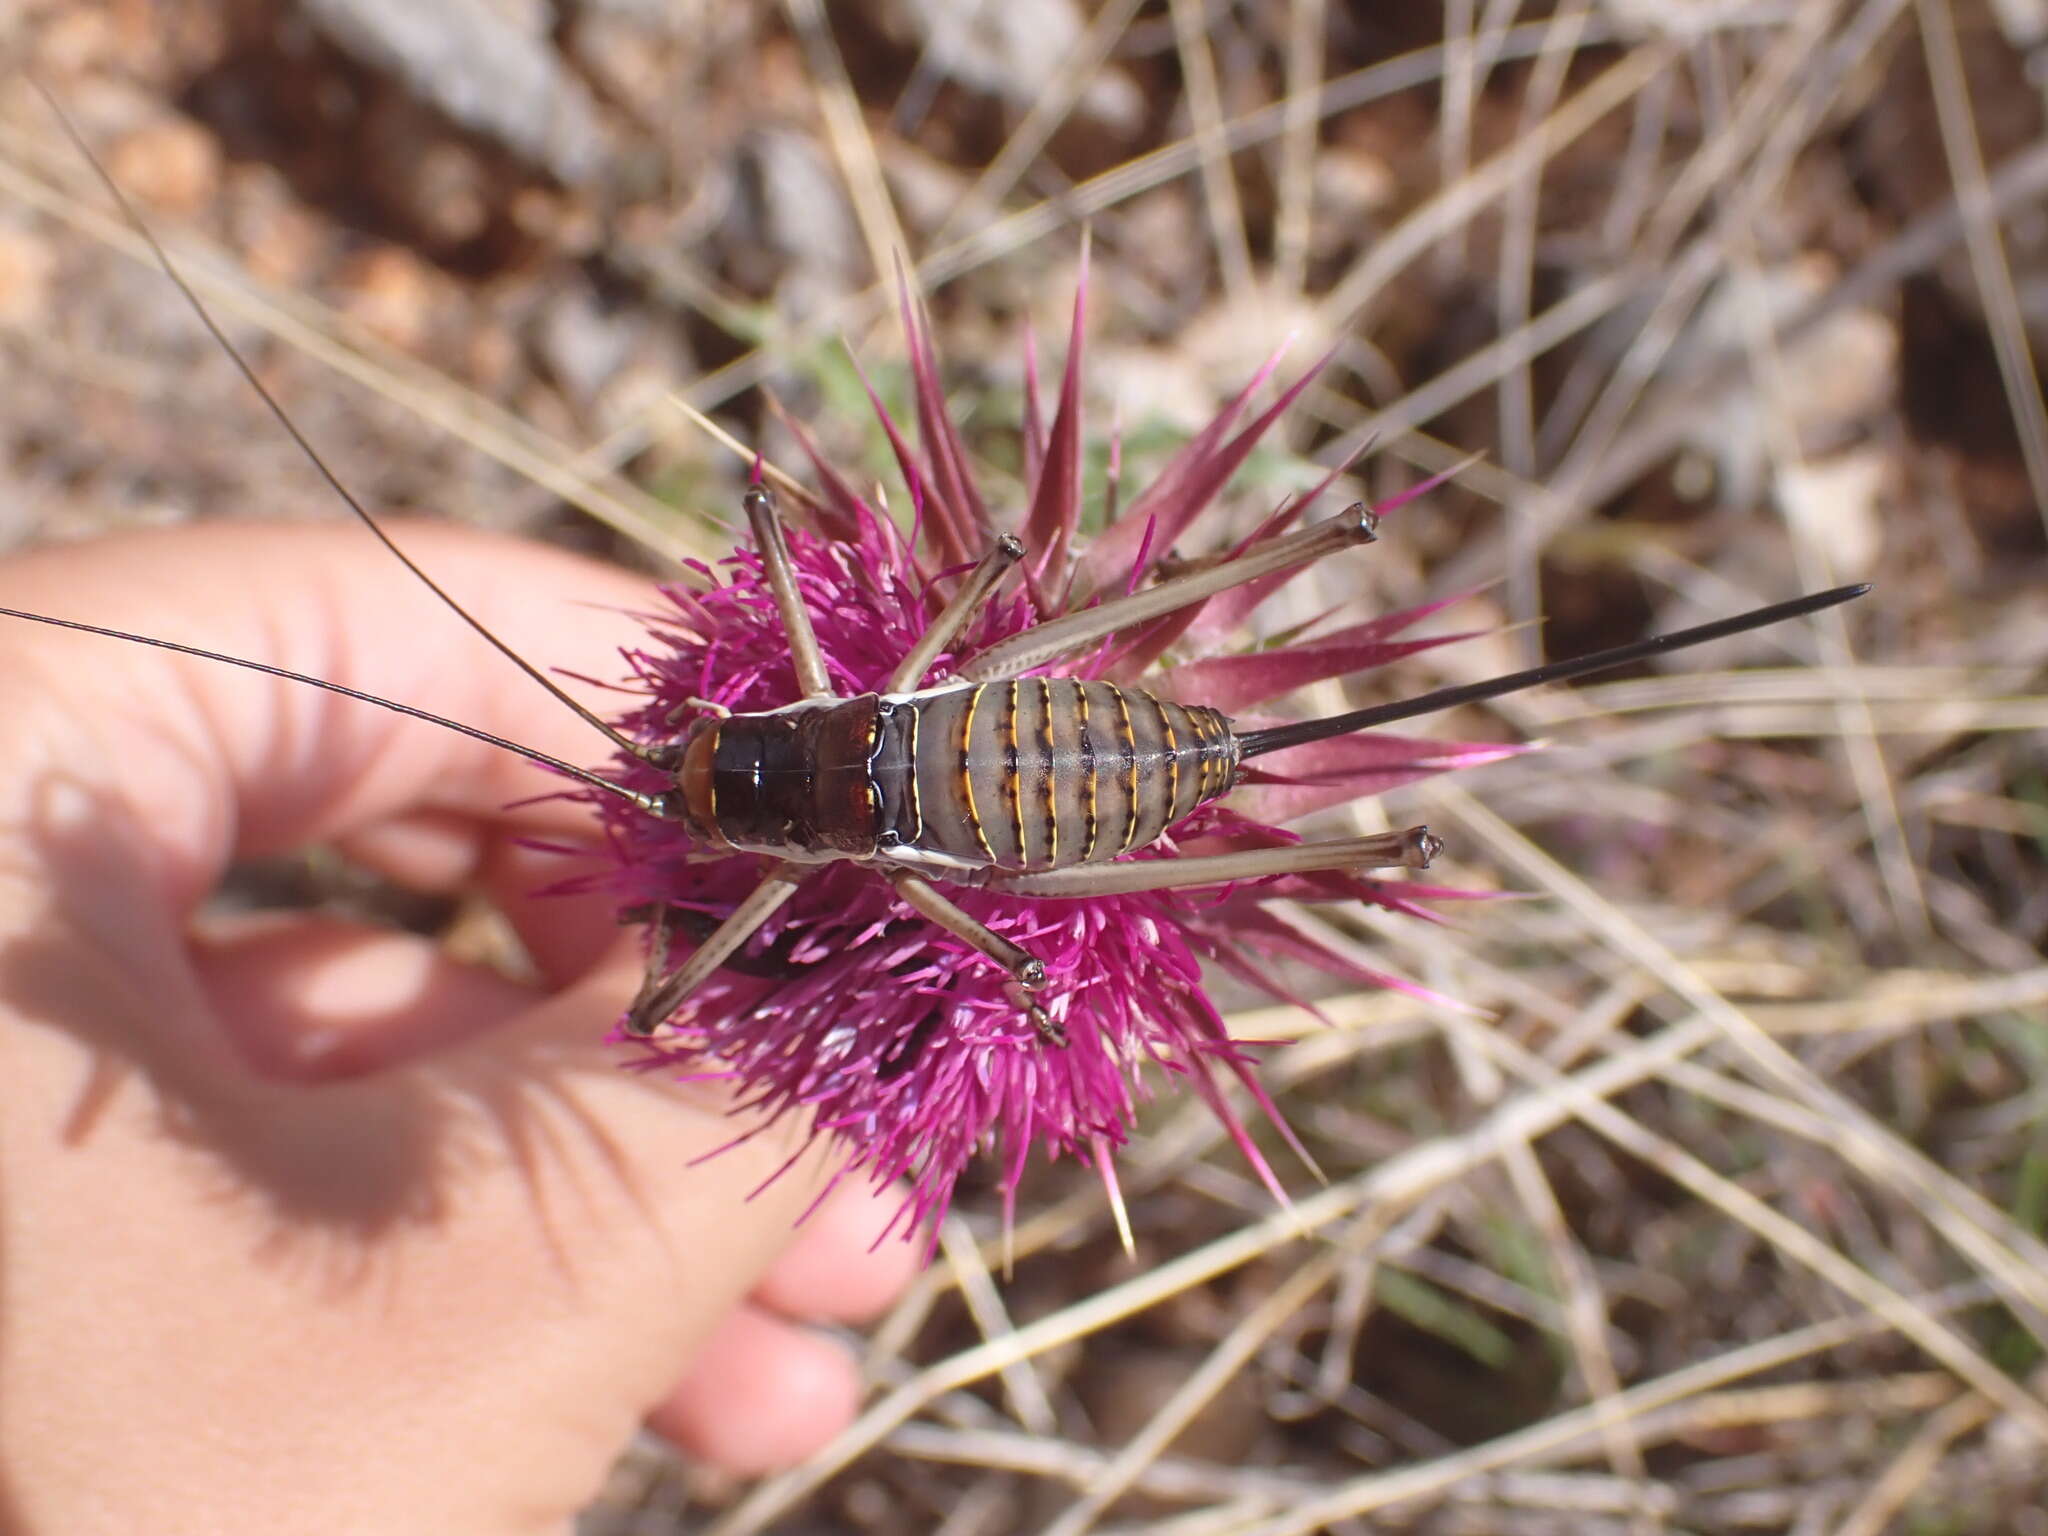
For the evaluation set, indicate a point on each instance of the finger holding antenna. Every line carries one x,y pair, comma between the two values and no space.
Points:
210,763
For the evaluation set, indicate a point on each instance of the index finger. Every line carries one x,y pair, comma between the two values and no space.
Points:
205,763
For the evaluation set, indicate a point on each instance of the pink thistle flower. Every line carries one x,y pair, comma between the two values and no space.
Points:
900,1041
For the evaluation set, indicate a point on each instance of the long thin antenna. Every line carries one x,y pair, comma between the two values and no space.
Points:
653,804
1279,737
623,742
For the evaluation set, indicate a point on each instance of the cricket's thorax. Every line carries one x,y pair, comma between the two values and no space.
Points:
797,782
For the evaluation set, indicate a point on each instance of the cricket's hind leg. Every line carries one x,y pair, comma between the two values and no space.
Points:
766,522
1411,848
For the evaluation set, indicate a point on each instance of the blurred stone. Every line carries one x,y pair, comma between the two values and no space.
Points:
280,240
493,360
1826,383
173,165
804,219
486,64
584,344
1163,238
1352,187
2024,22
927,191
390,293
1834,504
1123,1393
614,50
1231,339
1014,50
26,265
1148,388
1683,21
447,192
1900,145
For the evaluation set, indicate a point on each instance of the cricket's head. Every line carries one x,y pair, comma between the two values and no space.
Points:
695,759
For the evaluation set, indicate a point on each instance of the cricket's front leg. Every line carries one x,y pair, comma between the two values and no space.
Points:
973,595
766,523
661,995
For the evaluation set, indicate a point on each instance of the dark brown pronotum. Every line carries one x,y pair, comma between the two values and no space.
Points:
1035,786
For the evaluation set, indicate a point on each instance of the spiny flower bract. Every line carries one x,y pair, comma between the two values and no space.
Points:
898,1040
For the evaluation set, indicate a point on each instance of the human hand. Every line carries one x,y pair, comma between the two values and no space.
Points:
305,1225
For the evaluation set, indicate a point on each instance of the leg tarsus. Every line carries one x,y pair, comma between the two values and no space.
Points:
1050,1030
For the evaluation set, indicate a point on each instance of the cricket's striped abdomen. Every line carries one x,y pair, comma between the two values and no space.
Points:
1042,773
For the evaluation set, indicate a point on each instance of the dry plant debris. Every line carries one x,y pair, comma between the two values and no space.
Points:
1718,1206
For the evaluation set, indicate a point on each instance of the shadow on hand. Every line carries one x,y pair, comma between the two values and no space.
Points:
337,1168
